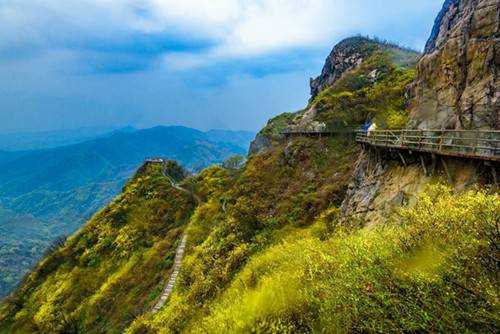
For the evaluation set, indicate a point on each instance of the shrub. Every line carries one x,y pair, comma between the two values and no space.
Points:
434,268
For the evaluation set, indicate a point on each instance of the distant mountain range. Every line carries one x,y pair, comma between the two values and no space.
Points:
48,192
23,141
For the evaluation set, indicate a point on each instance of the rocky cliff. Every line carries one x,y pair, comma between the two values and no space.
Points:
457,85
362,79
345,56
352,52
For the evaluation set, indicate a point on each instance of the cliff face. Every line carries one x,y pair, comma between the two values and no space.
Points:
344,57
351,53
457,84
456,87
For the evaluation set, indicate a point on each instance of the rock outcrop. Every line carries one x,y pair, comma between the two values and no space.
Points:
352,52
457,85
260,143
345,56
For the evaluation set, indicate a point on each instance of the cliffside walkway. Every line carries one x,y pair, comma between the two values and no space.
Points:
469,144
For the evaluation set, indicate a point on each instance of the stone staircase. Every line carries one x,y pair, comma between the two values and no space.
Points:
179,254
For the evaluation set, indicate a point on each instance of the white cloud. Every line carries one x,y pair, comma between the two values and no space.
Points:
237,28
245,28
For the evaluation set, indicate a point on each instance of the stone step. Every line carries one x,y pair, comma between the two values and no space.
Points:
179,254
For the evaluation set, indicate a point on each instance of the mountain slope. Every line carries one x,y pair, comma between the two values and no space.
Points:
272,249
108,266
99,160
59,189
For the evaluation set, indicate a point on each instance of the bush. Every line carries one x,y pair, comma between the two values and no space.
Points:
434,268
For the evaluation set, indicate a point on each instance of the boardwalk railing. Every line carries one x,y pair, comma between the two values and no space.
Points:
476,144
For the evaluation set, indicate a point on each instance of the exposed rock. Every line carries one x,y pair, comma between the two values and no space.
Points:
259,143
344,57
457,84
457,87
377,191
352,52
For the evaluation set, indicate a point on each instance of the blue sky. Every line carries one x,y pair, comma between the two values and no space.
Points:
228,64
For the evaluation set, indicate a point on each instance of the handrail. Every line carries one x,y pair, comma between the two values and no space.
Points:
477,144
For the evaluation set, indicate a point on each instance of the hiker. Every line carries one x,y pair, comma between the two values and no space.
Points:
366,127
371,129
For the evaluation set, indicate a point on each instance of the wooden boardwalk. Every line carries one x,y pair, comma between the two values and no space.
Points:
469,144
325,132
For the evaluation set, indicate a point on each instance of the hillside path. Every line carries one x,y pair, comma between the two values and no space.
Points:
179,253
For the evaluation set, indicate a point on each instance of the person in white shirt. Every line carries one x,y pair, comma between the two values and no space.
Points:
372,128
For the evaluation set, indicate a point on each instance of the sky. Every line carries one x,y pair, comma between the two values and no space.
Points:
226,64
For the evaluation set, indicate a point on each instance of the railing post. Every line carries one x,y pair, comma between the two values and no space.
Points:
441,140
476,144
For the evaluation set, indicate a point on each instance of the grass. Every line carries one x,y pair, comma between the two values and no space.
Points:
111,270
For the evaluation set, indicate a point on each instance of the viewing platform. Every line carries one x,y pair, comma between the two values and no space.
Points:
154,160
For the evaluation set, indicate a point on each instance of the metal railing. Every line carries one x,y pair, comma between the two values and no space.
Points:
477,144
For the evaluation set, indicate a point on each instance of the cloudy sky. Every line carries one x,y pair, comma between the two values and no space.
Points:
201,63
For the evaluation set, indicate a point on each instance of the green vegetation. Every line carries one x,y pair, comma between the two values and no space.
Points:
435,273
278,192
374,90
47,193
174,170
266,250
277,123
433,268
110,271
266,254
270,135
